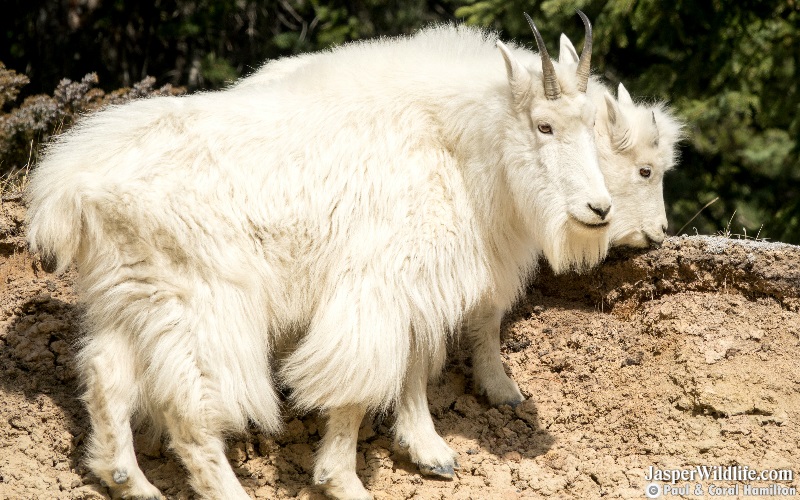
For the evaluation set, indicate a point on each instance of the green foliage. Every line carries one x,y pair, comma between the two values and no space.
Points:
196,43
218,72
24,128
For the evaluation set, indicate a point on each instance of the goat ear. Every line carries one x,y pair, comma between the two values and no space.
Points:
623,96
519,78
618,127
614,115
566,51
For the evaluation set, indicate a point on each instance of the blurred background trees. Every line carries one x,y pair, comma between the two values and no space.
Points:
729,68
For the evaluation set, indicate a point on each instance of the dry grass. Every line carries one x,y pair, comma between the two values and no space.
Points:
14,183
726,233
25,126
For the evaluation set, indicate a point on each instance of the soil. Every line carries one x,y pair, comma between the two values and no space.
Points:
671,358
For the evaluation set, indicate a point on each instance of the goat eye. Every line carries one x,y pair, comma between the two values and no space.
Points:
645,172
545,128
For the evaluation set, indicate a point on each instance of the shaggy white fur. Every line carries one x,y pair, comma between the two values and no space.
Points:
335,226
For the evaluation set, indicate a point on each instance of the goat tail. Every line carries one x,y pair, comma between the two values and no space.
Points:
54,221
61,185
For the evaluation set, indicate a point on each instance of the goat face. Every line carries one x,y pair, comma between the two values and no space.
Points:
636,148
555,181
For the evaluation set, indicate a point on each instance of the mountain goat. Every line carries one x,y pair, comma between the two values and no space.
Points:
636,146
335,227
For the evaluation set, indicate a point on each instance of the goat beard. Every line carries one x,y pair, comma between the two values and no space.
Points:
568,247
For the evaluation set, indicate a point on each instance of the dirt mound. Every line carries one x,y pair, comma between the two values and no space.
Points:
682,356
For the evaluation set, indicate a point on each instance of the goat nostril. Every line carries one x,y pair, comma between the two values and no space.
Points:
600,211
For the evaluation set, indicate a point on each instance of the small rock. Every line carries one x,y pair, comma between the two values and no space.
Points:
527,412
518,345
634,359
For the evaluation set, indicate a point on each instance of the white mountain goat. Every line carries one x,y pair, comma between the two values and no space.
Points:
636,146
335,227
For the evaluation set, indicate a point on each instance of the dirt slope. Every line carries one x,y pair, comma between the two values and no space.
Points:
682,356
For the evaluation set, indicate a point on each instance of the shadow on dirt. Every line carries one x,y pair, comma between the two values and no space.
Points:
629,277
38,362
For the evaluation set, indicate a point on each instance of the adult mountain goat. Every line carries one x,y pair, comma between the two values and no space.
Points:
335,227
636,144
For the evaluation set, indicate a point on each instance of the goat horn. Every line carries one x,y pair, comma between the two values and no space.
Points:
552,90
655,126
586,55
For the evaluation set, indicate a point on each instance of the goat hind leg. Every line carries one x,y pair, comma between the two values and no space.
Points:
110,395
202,451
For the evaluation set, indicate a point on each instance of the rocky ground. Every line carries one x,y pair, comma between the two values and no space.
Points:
677,357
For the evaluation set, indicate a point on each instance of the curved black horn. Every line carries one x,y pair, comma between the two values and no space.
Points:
586,55
552,90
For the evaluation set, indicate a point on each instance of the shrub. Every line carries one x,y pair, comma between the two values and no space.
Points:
23,129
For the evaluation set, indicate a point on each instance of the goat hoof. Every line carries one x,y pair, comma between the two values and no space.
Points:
120,476
139,497
445,471
512,404
513,401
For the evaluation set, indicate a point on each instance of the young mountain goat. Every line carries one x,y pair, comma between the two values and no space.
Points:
336,227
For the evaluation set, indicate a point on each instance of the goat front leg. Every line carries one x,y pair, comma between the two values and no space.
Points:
414,429
483,331
335,464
